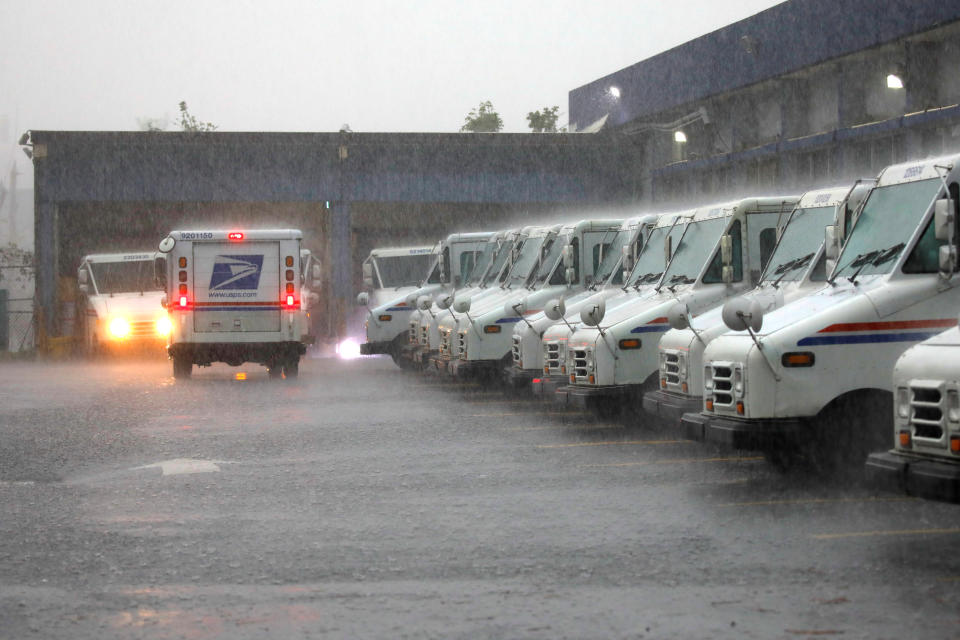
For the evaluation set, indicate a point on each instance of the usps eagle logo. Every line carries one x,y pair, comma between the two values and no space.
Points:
236,272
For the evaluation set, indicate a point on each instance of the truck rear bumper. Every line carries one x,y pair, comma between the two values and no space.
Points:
914,475
751,435
670,406
236,353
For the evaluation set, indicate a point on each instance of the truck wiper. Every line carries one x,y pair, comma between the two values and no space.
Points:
678,279
647,277
875,258
790,266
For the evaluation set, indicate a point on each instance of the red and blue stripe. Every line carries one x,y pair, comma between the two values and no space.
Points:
879,332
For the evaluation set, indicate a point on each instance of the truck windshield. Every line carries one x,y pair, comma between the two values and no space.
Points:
694,250
550,260
650,262
124,277
612,256
889,217
524,263
482,263
498,260
799,244
403,271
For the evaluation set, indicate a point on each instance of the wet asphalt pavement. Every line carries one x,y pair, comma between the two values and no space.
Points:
365,501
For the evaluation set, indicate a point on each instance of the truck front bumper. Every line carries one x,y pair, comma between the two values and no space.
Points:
545,388
750,435
467,369
914,475
589,397
518,378
374,348
669,406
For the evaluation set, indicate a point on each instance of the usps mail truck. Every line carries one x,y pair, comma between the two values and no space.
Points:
234,297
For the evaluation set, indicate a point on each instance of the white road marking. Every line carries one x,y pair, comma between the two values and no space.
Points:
180,466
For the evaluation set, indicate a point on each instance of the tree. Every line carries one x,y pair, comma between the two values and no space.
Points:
189,122
544,121
482,119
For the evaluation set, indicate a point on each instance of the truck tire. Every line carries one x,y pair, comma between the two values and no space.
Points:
275,371
291,368
182,367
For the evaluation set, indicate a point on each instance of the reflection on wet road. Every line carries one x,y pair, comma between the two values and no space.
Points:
362,501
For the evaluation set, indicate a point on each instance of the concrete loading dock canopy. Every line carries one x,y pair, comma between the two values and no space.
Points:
104,191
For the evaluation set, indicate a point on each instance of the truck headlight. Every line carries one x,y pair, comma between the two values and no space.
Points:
953,405
738,381
119,328
163,326
903,402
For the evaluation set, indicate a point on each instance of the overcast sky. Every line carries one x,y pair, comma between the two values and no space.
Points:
314,65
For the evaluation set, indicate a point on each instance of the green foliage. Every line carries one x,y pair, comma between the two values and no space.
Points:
544,121
189,122
14,260
482,119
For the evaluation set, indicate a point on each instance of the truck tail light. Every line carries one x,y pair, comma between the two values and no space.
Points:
182,262
289,262
183,302
289,287
289,275
183,289
236,236
904,437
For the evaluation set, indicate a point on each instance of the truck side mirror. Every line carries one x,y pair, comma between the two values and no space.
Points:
316,276
160,272
726,274
83,276
368,274
592,314
740,313
726,250
555,309
627,263
84,289
567,254
571,275
948,260
831,241
363,299
667,250
944,220
677,317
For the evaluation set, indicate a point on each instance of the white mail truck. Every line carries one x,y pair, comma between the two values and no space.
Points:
234,296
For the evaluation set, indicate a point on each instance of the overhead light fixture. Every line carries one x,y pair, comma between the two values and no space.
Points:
894,81
614,91
679,136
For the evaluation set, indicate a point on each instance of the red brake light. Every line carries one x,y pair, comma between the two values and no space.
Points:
235,235
289,301
183,301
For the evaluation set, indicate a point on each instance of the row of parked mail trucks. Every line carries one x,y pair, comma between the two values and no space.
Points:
814,328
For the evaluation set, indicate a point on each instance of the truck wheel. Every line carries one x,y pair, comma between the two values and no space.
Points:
291,369
274,371
182,368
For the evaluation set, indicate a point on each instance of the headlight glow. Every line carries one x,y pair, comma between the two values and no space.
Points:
163,326
119,328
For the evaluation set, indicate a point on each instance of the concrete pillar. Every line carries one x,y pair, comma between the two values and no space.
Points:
45,256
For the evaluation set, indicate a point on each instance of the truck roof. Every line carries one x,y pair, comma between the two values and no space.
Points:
120,257
219,235
393,252
916,170
827,197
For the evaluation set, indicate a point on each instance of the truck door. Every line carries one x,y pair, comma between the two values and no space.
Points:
236,287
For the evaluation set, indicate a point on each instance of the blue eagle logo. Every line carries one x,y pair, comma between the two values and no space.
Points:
236,272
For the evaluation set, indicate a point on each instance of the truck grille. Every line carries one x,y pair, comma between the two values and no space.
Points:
580,364
517,358
553,358
671,368
424,334
412,334
143,329
445,342
462,345
926,412
723,386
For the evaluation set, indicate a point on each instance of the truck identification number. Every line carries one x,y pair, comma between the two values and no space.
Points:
196,235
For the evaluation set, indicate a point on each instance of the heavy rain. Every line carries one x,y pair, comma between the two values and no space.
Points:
480,320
